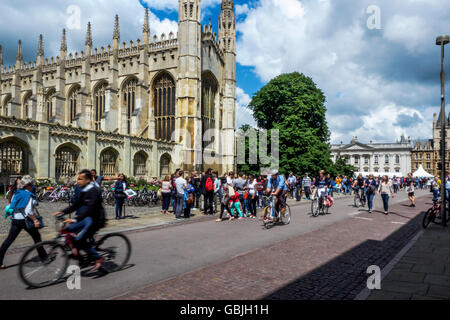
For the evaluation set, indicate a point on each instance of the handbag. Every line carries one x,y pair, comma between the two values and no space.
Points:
29,224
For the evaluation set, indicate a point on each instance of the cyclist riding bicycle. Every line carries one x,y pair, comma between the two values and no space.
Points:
358,185
89,219
276,186
321,184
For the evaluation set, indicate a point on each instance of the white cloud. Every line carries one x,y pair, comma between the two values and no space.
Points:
243,114
365,74
241,9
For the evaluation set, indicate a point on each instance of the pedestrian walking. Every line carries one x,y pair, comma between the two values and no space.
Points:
411,194
188,198
120,187
166,189
235,206
239,184
180,187
225,200
22,206
306,183
386,189
252,198
13,189
207,185
371,189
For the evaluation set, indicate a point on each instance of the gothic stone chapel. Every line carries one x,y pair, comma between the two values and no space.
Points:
140,108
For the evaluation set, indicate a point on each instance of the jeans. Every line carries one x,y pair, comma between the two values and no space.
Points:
16,227
252,204
241,200
84,232
187,210
197,195
307,192
235,206
385,198
370,200
435,195
179,204
260,199
208,202
165,201
119,206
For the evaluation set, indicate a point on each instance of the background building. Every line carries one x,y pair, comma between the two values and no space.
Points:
141,108
376,158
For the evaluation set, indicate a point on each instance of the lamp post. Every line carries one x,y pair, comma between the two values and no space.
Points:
442,41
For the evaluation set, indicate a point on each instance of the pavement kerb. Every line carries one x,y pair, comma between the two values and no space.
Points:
365,293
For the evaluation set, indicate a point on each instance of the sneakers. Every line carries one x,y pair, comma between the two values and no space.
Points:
219,220
240,218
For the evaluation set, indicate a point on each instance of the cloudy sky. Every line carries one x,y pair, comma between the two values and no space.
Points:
380,76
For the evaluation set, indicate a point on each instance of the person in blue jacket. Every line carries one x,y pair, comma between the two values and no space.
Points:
371,187
119,187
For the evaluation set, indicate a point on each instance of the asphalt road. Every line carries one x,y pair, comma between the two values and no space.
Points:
164,253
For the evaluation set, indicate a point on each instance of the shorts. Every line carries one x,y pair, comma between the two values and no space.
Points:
411,194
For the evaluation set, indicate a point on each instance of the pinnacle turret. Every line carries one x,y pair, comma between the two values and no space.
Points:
116,34
63,42
88,42
19,56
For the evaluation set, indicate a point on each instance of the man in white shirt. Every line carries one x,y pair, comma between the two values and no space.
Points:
181,185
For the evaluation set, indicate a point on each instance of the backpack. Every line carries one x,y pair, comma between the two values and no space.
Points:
209,185
260,186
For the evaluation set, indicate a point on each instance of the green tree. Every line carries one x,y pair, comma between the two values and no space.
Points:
293,104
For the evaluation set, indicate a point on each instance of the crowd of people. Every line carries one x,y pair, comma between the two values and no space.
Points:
232,196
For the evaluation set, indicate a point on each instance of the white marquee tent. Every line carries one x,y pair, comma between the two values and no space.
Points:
421,173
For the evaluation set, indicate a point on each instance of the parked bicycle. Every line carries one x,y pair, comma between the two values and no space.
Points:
284,218
37,271
433,215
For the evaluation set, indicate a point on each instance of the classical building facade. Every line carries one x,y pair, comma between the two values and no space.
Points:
142,108
390,158
428,153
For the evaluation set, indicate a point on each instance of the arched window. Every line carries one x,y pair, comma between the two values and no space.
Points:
66,162
13,159
209,90
6,101
376,159
99,104
27,111
129,100
386,159
108,163
48,104
140,164
165,165
164,106
74,103
397,159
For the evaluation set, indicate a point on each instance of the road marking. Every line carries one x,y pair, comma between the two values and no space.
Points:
362,218
354,213
395,222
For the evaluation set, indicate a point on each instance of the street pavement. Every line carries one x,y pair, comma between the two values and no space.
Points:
423,272
242,260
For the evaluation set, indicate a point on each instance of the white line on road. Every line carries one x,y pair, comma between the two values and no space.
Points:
362,218
395,222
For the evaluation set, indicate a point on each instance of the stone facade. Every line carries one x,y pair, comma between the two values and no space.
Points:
142,108
390,158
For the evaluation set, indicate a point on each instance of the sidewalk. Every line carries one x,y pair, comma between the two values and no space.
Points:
423,272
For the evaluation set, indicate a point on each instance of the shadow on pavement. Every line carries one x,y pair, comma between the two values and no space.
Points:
345,276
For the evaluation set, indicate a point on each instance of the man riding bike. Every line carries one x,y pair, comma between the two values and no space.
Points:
90,216
358,186
322,186
276,186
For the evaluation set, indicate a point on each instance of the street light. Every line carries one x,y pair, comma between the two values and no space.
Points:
442,41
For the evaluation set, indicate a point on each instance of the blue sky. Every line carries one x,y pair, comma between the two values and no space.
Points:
379,82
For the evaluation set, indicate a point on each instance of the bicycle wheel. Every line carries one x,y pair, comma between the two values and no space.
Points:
315,207
43,264
116,249
286,216
428,218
